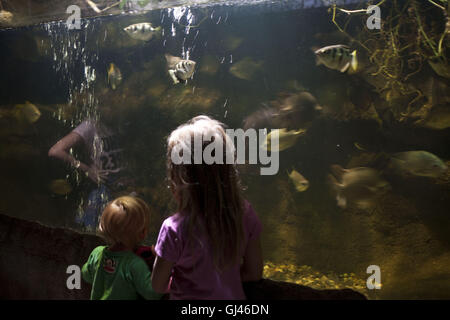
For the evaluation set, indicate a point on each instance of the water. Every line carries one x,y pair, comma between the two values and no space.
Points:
307,238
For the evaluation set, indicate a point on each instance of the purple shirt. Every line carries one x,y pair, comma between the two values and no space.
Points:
194,275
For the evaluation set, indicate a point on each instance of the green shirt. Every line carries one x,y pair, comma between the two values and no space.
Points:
118,275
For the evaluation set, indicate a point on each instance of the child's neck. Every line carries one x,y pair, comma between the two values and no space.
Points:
119,247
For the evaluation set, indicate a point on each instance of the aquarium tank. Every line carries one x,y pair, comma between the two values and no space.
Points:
357,92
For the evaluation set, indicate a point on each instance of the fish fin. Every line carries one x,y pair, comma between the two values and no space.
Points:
335,184
337,170
287,172
354,62
345,67
341,201
171,60
174,77
336,188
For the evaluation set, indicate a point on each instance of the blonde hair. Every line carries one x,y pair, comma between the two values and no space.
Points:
125,220
208,195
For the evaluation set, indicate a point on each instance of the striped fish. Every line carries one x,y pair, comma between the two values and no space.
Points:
179,69
142,31
337,57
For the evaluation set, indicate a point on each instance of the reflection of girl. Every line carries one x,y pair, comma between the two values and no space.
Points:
212,244
105,168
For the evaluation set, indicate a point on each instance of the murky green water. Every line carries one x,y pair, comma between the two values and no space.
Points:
249,58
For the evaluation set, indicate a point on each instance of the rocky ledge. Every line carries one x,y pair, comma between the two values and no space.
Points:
35,258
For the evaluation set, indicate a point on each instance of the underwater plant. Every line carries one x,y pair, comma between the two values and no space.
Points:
411,34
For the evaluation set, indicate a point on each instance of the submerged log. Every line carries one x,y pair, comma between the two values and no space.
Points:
35,258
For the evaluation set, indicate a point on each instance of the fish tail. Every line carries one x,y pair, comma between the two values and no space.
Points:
336,189
354,61
337,170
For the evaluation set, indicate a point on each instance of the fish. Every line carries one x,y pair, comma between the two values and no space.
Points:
300,182
246,68
298,109
60,187
114,76
359,146
440,66
337,57
142,31
418,163
290,111
27,112
209,65
180,69
286,139
230,43
360,187
263,118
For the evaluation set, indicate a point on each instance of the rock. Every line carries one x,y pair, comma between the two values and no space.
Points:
35,258
6,18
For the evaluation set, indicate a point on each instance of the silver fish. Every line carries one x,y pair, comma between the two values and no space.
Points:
418,163
180,69
337,57
142,31
360,187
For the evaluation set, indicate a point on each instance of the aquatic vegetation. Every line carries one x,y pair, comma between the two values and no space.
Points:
396,53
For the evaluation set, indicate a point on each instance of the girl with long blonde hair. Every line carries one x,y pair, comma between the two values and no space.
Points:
212,244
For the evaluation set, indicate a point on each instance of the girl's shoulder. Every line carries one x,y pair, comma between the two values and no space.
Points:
175,221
